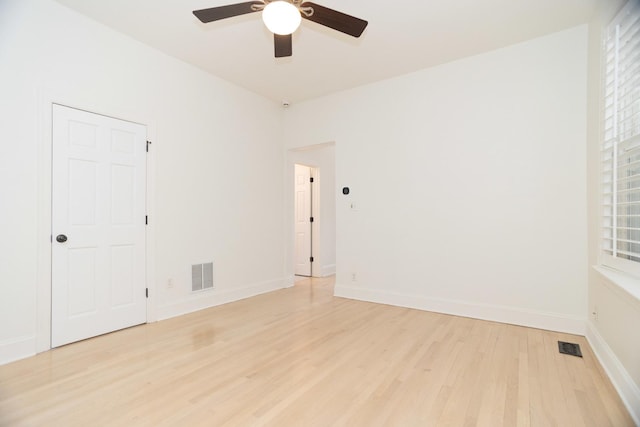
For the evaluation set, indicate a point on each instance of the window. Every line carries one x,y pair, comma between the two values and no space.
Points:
621,141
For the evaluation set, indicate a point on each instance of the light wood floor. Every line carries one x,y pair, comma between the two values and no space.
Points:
300,357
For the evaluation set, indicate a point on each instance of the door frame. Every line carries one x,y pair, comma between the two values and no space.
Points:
304,156
44,135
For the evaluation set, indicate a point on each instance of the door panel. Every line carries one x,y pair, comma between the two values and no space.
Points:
81,296
122,195
123,275
82,184
98,203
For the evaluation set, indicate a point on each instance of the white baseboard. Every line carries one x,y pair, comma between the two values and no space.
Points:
16,349
327,270
212,298
502,314
627,389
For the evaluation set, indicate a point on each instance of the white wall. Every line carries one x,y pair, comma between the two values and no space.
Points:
216,161
468,182
613,334
322,158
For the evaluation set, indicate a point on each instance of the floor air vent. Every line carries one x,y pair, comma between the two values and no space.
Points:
201,276
569,348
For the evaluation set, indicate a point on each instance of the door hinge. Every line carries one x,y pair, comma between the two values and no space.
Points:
148,144
311,179
146,220
311,259
146,293
311,219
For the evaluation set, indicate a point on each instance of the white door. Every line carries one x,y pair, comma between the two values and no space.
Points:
302,220
98,225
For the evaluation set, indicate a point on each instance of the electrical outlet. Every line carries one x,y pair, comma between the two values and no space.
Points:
354,277
594,313
169,283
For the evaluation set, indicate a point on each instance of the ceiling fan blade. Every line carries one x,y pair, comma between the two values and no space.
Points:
337,20
283,45
228,11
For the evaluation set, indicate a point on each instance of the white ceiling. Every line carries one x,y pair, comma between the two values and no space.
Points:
402,36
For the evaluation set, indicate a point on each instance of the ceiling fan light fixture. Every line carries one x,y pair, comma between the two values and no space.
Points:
281,17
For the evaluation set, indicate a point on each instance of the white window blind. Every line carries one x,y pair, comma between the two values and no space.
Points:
621,140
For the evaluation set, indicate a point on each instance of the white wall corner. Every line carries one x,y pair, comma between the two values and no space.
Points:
289,281
207,299
327,270
628,390
533,319
16,349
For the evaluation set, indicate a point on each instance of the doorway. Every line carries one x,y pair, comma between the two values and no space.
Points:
98,252
317,162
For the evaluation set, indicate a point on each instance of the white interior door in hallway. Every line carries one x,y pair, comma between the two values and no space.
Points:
303,221
98,225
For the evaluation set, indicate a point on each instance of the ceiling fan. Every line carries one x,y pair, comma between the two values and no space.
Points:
283,17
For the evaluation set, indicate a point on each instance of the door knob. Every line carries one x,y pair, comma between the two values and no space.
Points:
61,238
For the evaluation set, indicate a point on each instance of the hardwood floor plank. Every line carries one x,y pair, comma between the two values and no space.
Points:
301,357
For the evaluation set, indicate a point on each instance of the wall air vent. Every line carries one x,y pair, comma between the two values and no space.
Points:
201,276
